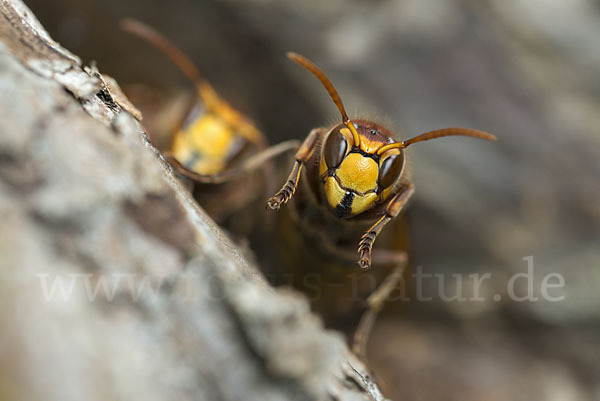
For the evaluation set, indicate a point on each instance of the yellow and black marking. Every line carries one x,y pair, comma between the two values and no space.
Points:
356,169
344,208
206,144
214,132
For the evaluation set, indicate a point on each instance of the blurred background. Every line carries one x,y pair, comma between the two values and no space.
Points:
527,71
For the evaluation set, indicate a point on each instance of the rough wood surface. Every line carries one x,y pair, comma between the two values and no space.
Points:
85,197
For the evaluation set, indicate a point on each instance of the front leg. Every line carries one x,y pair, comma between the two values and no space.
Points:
392,210
302,156
254,162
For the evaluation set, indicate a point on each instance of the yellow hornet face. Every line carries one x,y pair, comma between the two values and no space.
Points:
355,178
214,134
206,145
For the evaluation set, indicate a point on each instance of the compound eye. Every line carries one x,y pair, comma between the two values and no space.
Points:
335,148
390,170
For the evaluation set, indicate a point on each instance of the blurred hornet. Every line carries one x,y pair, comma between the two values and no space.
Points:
214,143
350,180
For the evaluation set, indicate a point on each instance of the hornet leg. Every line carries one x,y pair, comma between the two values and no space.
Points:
252,163
376,301
394,207
302,156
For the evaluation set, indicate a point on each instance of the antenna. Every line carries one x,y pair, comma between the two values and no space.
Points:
439,133
333,93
